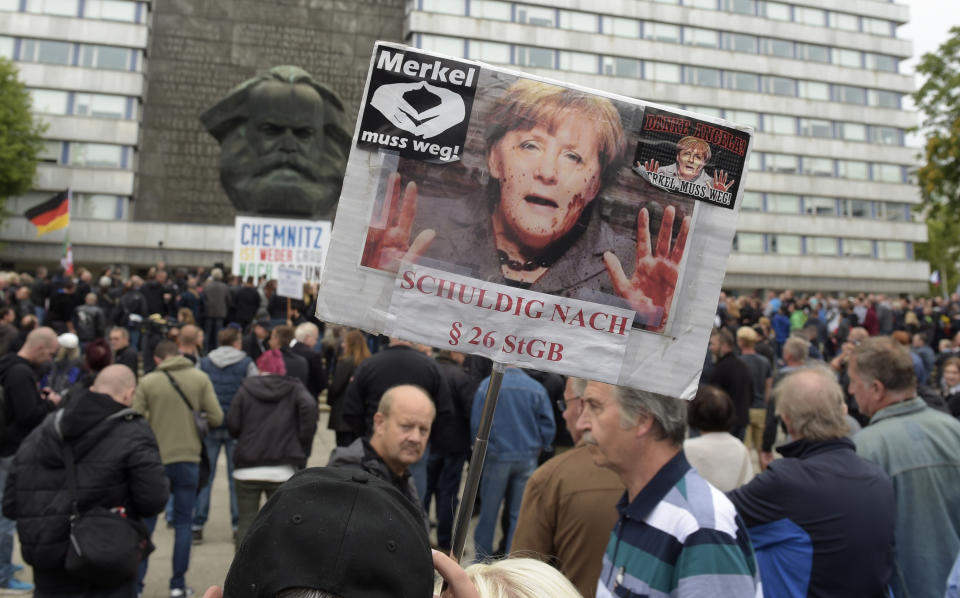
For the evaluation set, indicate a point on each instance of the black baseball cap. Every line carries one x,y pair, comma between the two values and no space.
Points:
338,530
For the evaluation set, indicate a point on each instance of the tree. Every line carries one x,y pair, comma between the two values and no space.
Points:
942,249
939,100
20,141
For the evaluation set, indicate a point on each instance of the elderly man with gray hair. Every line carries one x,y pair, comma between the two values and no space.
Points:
919,448
676,535
821,518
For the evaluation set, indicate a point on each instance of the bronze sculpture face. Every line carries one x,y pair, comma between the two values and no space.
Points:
283,145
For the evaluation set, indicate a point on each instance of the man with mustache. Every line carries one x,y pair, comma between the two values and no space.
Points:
283,143
401,427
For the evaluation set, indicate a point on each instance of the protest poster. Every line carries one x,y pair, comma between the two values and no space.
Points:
483,207
261,245
290,282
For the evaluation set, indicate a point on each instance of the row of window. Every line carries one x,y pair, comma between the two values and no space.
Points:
70,54
824,246
858,170
72,103
809,127
665,32
90,155
90,206
582,62
127,11
543,16
788,203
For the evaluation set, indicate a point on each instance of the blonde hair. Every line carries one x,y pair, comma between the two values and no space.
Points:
527,104
747,336
520,578
695,143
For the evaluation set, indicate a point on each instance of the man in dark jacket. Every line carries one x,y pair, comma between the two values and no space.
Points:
62,303
227,367
123,353
306,336
247,302
821,519
732,376
24,408
216,299
118,466
297,367
401,427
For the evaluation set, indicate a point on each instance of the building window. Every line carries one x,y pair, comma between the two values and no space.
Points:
442,44
853,131
51,152
813,90
856,208
66,8
783,163
814,127
49,101
99,155
705,38
888,173
696,75
105,57
490,51
620,26
786,244
877,26
822,245
662,71
46,51
810,16
849,94
844,21
776,47
6,47
884,99
779,86
95,206
661,32
748,243
100,106
707,4
776,11
621,67
818,166
742,81
779,124
813,53
744,117
894,211
578,21
892,250
849,58
853,169
535,57
886,135
744,7
450,7
580,62
783,204
11,5
739,42
820,206
751,202
881,62
491,9
756,161
858,248
536,15
111,10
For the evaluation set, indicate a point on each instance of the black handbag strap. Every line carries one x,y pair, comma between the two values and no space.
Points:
179,391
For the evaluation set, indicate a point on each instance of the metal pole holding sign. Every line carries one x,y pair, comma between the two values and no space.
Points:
465,509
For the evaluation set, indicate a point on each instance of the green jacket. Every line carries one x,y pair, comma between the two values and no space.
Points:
171,421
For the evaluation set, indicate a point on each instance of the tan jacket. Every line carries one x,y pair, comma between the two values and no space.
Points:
568,510
171,421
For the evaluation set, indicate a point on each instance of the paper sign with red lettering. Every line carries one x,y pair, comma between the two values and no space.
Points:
261,245
509,325
531,187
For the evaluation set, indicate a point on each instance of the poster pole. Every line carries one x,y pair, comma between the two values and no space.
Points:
288,309
465,509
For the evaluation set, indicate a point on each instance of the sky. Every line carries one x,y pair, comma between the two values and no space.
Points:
930,22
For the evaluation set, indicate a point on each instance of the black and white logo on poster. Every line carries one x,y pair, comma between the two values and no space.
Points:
418,105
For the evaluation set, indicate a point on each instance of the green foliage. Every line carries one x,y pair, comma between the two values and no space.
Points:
939,100
20,140
942,248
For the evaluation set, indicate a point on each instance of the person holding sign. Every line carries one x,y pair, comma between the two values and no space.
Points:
549,152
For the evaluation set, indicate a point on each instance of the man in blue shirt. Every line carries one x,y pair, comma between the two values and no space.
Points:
522,426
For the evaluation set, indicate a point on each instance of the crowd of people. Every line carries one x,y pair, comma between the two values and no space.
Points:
820,456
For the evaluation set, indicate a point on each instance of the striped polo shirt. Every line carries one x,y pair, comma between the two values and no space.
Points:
679,537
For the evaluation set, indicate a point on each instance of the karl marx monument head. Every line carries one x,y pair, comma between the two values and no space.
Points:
283,144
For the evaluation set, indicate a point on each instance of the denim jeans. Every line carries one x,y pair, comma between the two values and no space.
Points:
183,488
443,482
7,528
211,329
500,479
218,437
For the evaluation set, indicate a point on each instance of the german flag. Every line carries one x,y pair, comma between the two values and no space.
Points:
52,214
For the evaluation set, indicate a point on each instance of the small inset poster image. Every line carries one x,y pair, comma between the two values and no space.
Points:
691,157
